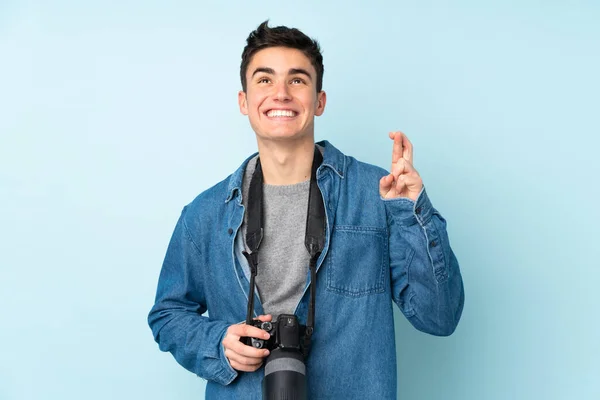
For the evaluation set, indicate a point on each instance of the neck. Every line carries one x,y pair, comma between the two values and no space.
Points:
286,164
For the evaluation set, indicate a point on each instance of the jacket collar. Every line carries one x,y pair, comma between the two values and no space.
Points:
332,158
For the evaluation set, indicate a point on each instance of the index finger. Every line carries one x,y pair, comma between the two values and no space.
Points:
397,148
408,149
250,331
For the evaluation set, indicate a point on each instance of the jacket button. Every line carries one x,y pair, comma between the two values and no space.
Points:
230,231
433,243
418,210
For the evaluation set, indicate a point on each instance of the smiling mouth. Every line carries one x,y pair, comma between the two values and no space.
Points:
281,113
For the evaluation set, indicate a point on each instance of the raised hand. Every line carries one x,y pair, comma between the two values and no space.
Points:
404,180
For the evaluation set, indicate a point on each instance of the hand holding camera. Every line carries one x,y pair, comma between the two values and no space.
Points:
241,356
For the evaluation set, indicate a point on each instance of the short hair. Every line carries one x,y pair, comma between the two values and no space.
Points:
281,36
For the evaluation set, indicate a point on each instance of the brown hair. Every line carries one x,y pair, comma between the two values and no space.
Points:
282,36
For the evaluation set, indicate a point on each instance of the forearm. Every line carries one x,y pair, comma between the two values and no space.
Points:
192,339
176,318
426,280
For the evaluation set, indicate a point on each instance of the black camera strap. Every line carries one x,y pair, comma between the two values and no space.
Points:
314,237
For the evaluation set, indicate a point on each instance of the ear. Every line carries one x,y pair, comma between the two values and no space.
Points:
321,100
243,102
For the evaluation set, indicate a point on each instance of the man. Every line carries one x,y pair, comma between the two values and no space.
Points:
383,241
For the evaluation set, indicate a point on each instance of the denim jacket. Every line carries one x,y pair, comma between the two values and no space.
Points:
376,251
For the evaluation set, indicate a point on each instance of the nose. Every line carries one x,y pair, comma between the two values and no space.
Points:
282,92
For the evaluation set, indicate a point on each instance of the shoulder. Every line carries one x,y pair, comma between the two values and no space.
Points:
348,166
213,202
362,178
355,166
207,205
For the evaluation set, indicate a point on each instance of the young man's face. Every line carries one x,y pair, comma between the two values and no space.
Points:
281,98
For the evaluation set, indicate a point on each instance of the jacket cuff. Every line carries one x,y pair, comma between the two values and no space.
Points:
408,212
228,374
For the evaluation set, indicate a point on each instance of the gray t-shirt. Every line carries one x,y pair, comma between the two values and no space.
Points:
282,258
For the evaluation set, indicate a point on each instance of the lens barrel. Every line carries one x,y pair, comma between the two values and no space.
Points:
285,376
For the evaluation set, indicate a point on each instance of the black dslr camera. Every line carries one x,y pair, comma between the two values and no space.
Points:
285,372
285,333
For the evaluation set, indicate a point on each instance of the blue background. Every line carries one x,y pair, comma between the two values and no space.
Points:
112,117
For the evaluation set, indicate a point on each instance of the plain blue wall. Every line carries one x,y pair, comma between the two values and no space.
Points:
112,117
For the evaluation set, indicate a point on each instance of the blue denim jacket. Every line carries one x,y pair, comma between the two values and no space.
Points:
376,251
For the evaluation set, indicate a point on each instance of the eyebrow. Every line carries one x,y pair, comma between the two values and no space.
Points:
292,71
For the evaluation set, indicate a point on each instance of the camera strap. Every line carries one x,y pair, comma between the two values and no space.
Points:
314,239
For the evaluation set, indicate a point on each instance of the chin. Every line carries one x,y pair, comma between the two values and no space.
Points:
288,136
282,134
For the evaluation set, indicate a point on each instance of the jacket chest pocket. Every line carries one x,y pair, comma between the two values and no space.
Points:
358,258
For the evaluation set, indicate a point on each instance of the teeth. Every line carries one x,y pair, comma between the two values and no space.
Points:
281,113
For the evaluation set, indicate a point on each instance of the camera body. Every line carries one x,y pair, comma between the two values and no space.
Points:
286,334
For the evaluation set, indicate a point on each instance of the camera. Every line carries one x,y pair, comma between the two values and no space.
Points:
285,371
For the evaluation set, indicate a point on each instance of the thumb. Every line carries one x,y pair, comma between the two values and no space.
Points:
385,184
264,318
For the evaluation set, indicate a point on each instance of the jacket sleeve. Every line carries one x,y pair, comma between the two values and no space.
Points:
176,318
426,281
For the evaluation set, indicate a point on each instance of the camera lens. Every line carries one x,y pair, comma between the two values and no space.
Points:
285,376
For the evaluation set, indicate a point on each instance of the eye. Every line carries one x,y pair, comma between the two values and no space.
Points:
297,81
264,79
